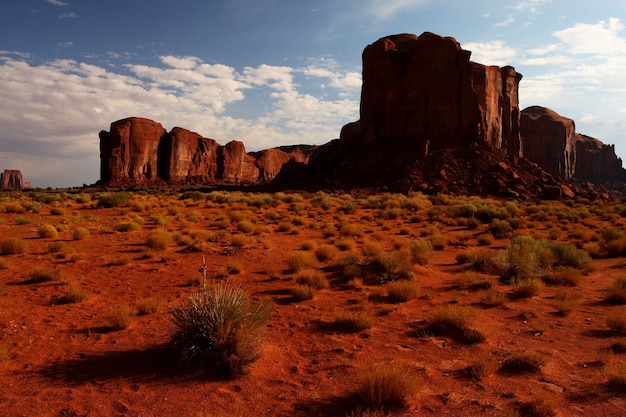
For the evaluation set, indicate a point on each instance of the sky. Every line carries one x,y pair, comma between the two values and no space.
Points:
271,72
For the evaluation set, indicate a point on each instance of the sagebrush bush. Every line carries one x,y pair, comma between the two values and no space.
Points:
300,260
386,385
421,251
402,290
220,327
395,264
13,245
159,239
455,321
115,199
81,233
47,231
326,253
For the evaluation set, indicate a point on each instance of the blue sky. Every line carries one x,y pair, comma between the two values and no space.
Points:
271,72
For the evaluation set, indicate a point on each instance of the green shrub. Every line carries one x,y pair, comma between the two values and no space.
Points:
500,228
47,231
13,245
113,199
220,327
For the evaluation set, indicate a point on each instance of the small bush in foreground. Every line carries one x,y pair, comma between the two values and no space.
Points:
523,363
454,321
350,321
386,385
617,293
300,260
159,239
565,302
326,253
120,317
402,290
13,245
81,233
147,306
480,368
421,251
109,200
220,327
302,292
312,278
47,230
75,294
43,275
563,275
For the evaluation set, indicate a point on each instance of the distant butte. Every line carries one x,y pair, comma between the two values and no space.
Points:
11,179
431,121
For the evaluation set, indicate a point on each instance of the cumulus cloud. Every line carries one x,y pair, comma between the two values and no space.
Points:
57,3
51,112
601,38
491,53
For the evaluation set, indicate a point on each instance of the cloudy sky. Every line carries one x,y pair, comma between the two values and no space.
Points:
271,72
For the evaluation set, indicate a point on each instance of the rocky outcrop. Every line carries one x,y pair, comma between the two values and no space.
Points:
549,140
12,179
597,162
424,90
140,151
130,150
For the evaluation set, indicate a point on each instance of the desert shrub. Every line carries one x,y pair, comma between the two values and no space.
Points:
75,294
402,290
57,211
493,298
609,234
44,274
473,281
541,405
564,276
192,195
47,231
395,265
14,208
300,260
616,247
371,248
525,258
346,244
350,321
351,230
528,288
386,385
569,255
500,228
438,241
522,363
326,253
220,327
485,239
481,261
22,220
62,249
616,322
121,260
120,317
234,266
481,368
421,251
308,245
617,293
246,226
285,227
13,245
566,301
313,278
114,199
127,226
615,373
239,240
81,233
159,239
302,292
147,306
455,321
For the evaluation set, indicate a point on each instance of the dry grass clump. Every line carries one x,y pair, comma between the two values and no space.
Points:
245,226
313,278
300,260
220,327
541,405
402,290
386,385
523,363
487,262
120,261
565,276
493,298
13,245
127,226
45,274
352,321
345,245
616,322
147,306
566,301
75,294
371,248
81,233
617,293
47,231
528,288
234,267
395,264
421,251
455,321
438,241
615,373
474,281
120,317
239,240
486,239
159,239
481,368
326,253
302,292
351,229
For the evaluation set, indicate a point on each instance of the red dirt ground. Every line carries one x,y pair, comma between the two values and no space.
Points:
66,360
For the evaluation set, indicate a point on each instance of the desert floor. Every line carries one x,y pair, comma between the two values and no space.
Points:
85,315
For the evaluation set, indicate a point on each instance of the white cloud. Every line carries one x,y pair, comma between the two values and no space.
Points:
51,113
601,38
57,3
69,15
385,10
491,53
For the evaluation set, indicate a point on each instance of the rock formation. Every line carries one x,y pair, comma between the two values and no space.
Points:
11,179
140,151
597,162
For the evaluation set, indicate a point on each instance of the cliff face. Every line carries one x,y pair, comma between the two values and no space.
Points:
12,179
425,90
140,151
597,162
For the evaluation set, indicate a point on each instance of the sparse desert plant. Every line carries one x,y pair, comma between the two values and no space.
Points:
74,294
486,239
120,317
481,367
493,298
528,288
308,245
326,253
421,251
525,258
245,226
147,306
47,231
300,260
438,241
285,227
566,301
522,363
386,385
617,293
62,249
541,405
127,227
351,320
473,281
121,260
220,327
43,274
564,276
13,245
617,347
159,239
500,228
371,248
234,267
616,247
395,264
239,240
615,373
313,278
481,261
402,290
351,229
81,233
455,321
114,199
302,292
616,322
22,220
57,211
